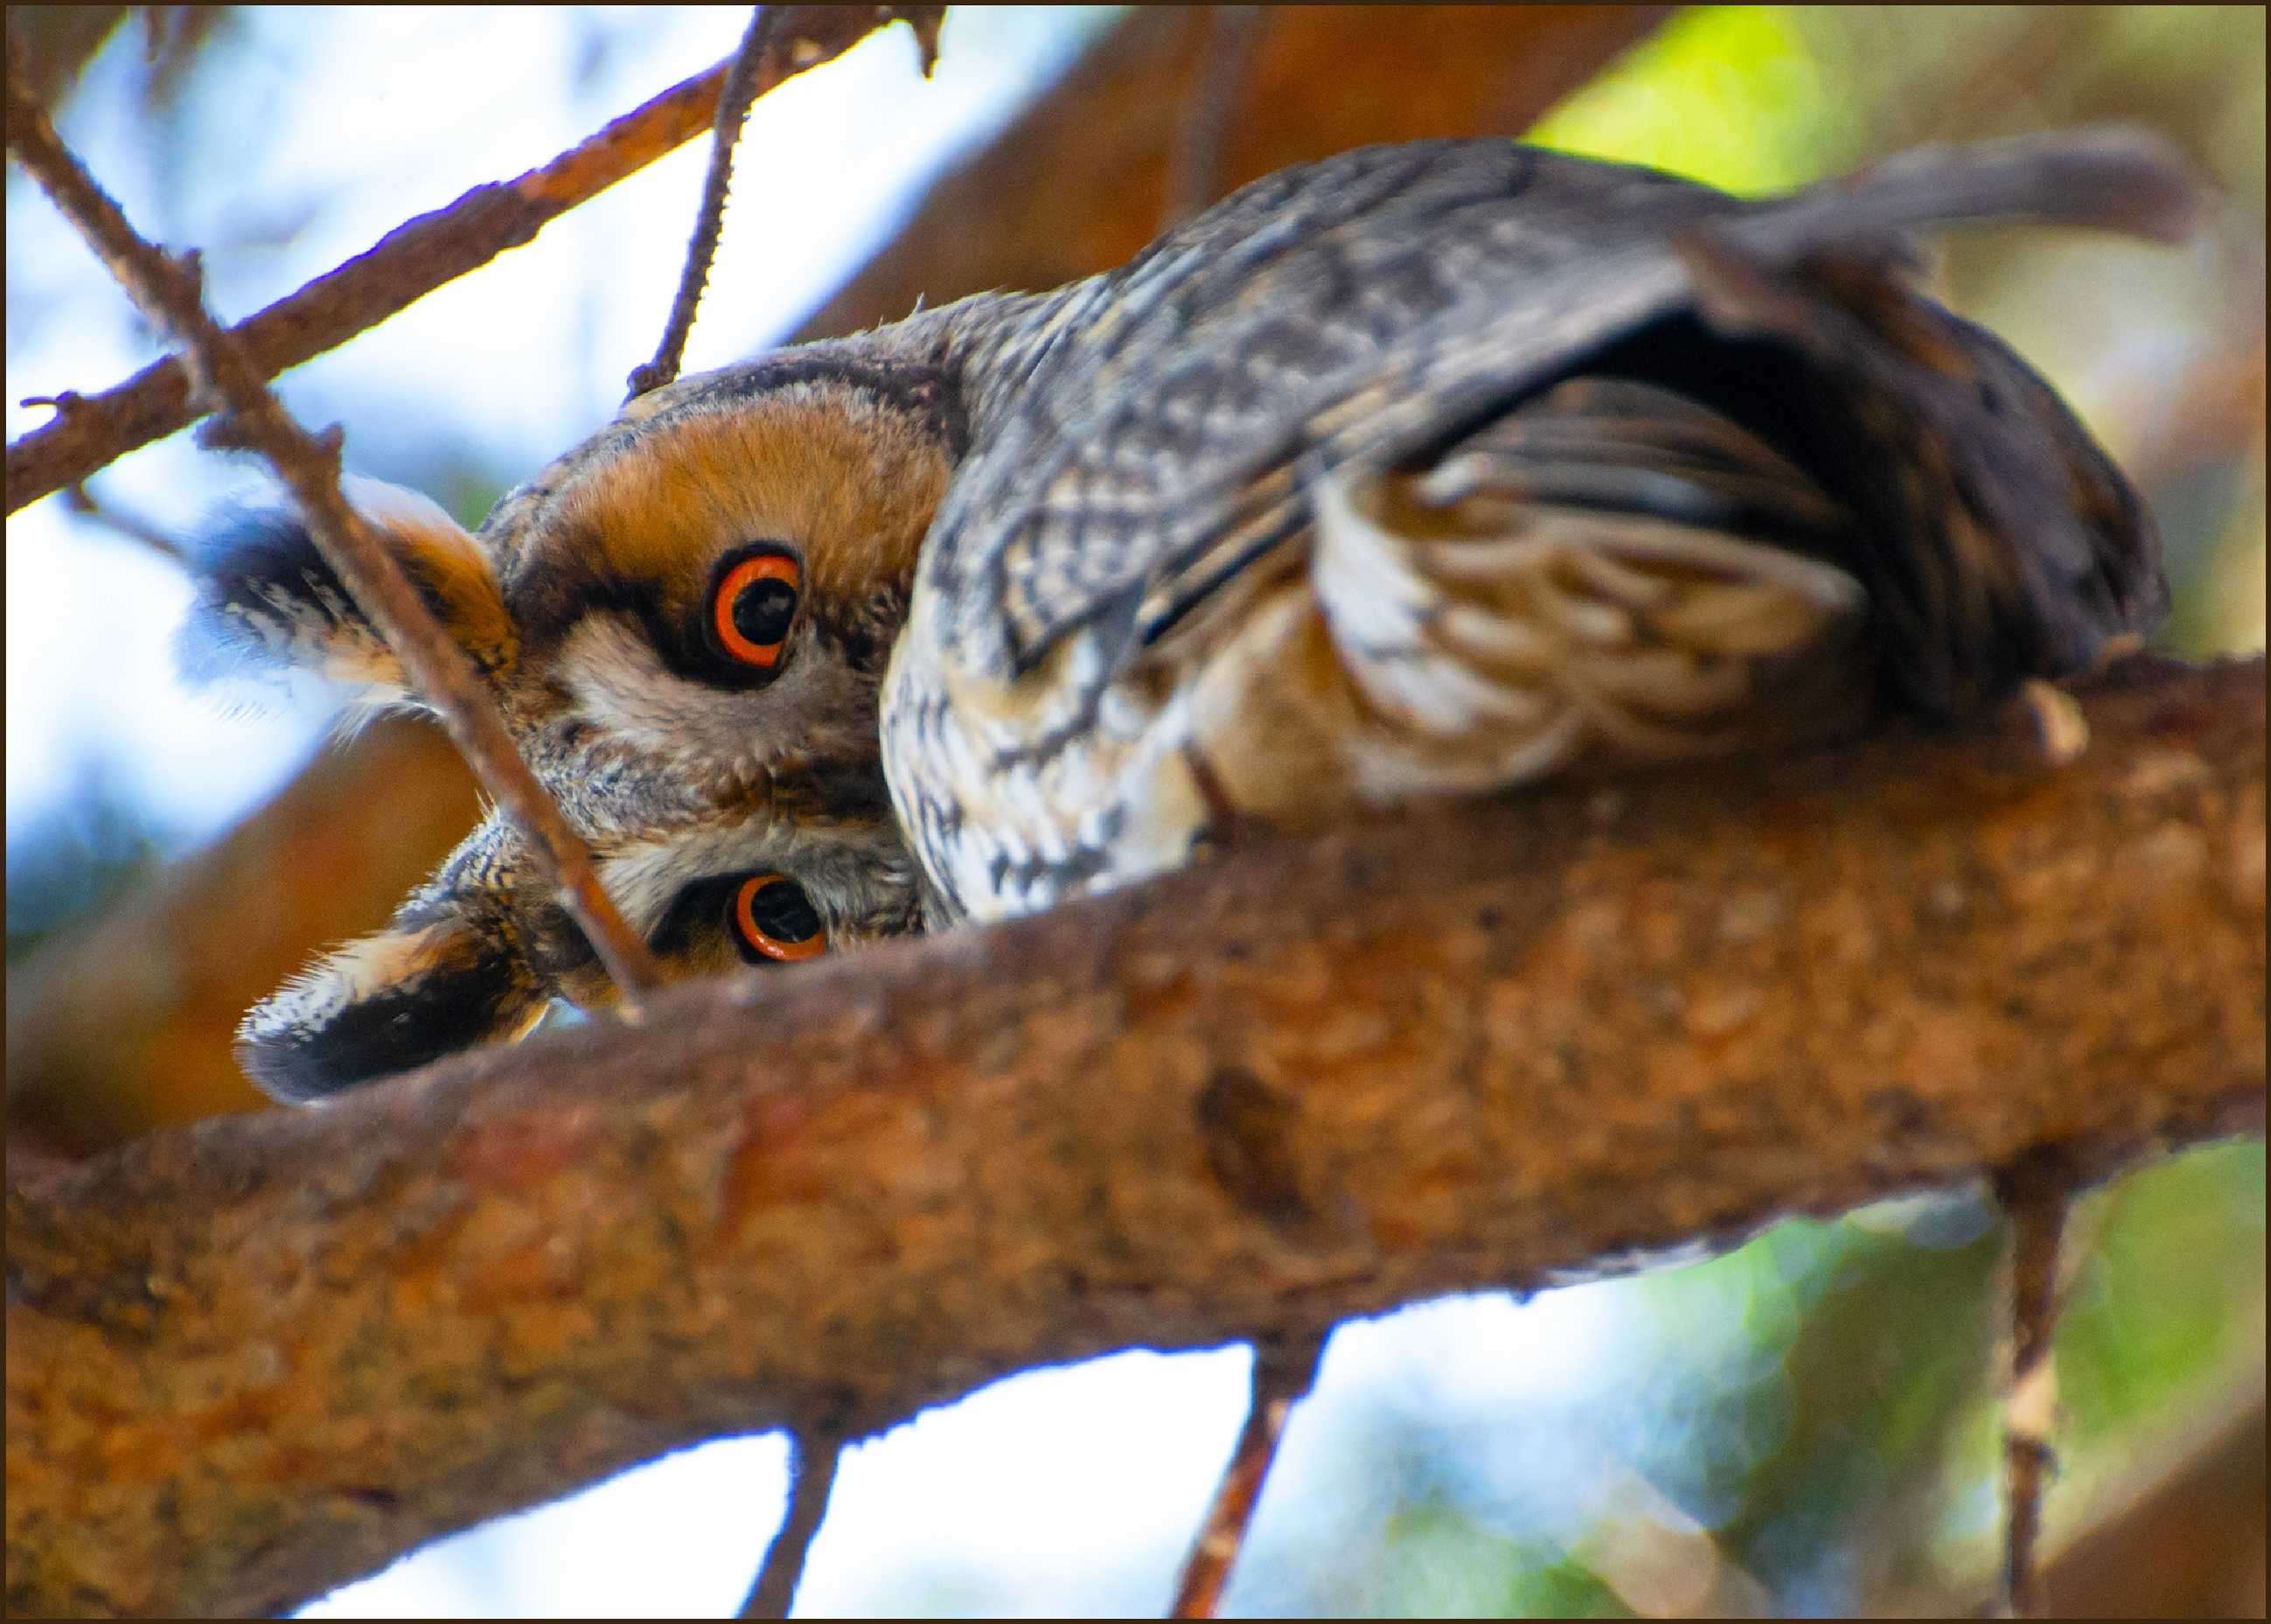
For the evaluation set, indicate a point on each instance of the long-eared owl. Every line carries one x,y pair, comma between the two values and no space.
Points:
1425,469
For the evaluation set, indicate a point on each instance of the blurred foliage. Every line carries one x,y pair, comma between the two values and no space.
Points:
75,860
2151,1308
1729,94
1809,1425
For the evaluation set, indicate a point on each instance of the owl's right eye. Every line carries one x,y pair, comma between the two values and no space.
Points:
771,917
753,605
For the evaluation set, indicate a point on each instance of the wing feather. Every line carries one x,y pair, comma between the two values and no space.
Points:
1372,312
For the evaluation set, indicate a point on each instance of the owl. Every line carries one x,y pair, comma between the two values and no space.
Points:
1428,469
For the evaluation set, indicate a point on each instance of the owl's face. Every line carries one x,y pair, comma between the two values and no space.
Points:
685,622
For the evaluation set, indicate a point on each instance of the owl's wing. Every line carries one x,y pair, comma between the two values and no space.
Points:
1369,312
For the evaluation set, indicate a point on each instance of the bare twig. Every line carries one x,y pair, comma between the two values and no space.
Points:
741,89
2033,1192
418,256
813,1456
1195,167
1477,1046
1284,1369
170,291
124,522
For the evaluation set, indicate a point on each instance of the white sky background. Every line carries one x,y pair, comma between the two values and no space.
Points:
1067,1490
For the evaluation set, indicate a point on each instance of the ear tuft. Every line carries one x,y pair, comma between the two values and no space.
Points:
269,601
389,1002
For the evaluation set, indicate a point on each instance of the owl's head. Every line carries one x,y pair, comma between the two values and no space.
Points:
684,621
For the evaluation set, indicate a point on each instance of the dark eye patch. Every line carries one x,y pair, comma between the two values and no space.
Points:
697,912
548,603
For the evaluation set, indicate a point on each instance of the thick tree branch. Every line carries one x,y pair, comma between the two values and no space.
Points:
2189,1546
420,255
1493,1043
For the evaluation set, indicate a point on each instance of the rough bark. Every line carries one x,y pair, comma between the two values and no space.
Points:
1489,1045
1082,179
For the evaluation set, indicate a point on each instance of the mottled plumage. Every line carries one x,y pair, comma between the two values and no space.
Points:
1425,469
1438,468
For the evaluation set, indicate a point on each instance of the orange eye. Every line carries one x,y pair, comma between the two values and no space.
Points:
753,606
774,918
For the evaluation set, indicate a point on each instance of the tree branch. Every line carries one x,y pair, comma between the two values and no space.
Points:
1283,1373
170,291
1488,1044
1193,178
418,255
768,54
812,1458
2034,1193
1078,182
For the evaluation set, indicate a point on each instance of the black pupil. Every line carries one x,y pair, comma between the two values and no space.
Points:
762,612
782,911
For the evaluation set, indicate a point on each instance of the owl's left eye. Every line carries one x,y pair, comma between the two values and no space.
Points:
754,604
771,917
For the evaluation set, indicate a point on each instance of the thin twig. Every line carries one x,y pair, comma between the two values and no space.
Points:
732,111
1227,53
170,291
2033,1192
811,1475
418,256
1284,1369
106,512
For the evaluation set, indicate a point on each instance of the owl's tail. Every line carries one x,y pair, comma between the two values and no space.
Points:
1611,568
1988,537
1995,539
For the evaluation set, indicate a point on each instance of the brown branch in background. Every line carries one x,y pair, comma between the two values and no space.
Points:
1077,182
416,258
734,101
1471,1048
125,1022
2033,1192
2188,1543
1194,167
1284,1370
812,1457
170,292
